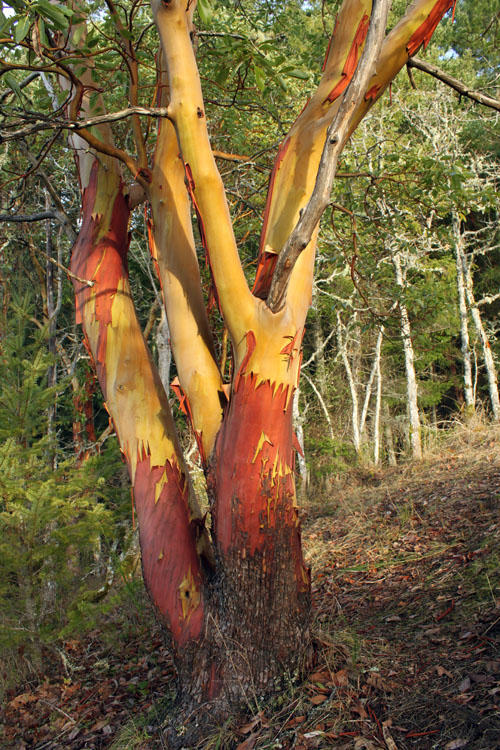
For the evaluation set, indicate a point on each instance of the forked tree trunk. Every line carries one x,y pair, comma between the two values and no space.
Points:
236,606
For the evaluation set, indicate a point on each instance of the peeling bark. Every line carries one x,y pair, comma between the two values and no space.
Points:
236,609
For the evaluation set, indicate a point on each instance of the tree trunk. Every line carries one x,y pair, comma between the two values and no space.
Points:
411,379
318,338
374,372
236,606
342,344
298,426
483,336
258,603
378,405
464,327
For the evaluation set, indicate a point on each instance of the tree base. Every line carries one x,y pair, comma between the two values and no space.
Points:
191,724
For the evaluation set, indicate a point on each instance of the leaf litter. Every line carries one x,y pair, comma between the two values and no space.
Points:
407,629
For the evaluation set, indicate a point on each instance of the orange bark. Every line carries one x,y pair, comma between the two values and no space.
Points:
138,407
255,601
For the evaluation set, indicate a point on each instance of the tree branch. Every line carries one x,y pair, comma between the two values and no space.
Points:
336,137
40,216
187,111
69,273
173,248
21,84
454,83
52,123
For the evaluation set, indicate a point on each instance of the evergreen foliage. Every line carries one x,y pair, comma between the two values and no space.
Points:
57,515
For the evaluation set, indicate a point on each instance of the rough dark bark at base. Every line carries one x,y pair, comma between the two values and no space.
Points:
256,638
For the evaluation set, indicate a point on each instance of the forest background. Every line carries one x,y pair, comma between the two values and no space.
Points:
401,341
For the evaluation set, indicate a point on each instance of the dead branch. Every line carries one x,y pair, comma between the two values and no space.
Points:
336,137
52,123
454,83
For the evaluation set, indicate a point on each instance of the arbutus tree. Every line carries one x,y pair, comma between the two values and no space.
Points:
233,596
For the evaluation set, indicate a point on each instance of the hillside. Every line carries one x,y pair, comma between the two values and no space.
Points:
407,625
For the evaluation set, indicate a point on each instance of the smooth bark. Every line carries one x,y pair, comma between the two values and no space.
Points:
411,378
464,325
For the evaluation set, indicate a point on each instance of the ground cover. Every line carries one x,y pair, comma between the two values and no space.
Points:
407,627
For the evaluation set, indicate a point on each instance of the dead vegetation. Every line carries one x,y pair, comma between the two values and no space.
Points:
407,625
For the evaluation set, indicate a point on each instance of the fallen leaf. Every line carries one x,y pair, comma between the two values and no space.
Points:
362,743
464,685
341,678
375,680
358,708
317,699
319,677
455,744
249,743
442,671
246,728
294,721
99,725
22,700
391,745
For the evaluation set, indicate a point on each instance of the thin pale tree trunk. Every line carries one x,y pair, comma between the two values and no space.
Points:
369,386
464,325
483,336
378,402
298,423
342,344
411,379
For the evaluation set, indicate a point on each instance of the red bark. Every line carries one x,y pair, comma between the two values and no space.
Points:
103,261
351,60
267,261
425,31
170,563
168,549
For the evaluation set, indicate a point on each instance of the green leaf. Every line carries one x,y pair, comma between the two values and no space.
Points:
205,11
22,28
43,34
52,12
12,84
296,73
260,77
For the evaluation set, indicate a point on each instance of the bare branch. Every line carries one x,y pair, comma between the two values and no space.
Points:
52,123
21,84
71,275
454,83
322,404
336,137
40,216
62,216
488,300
